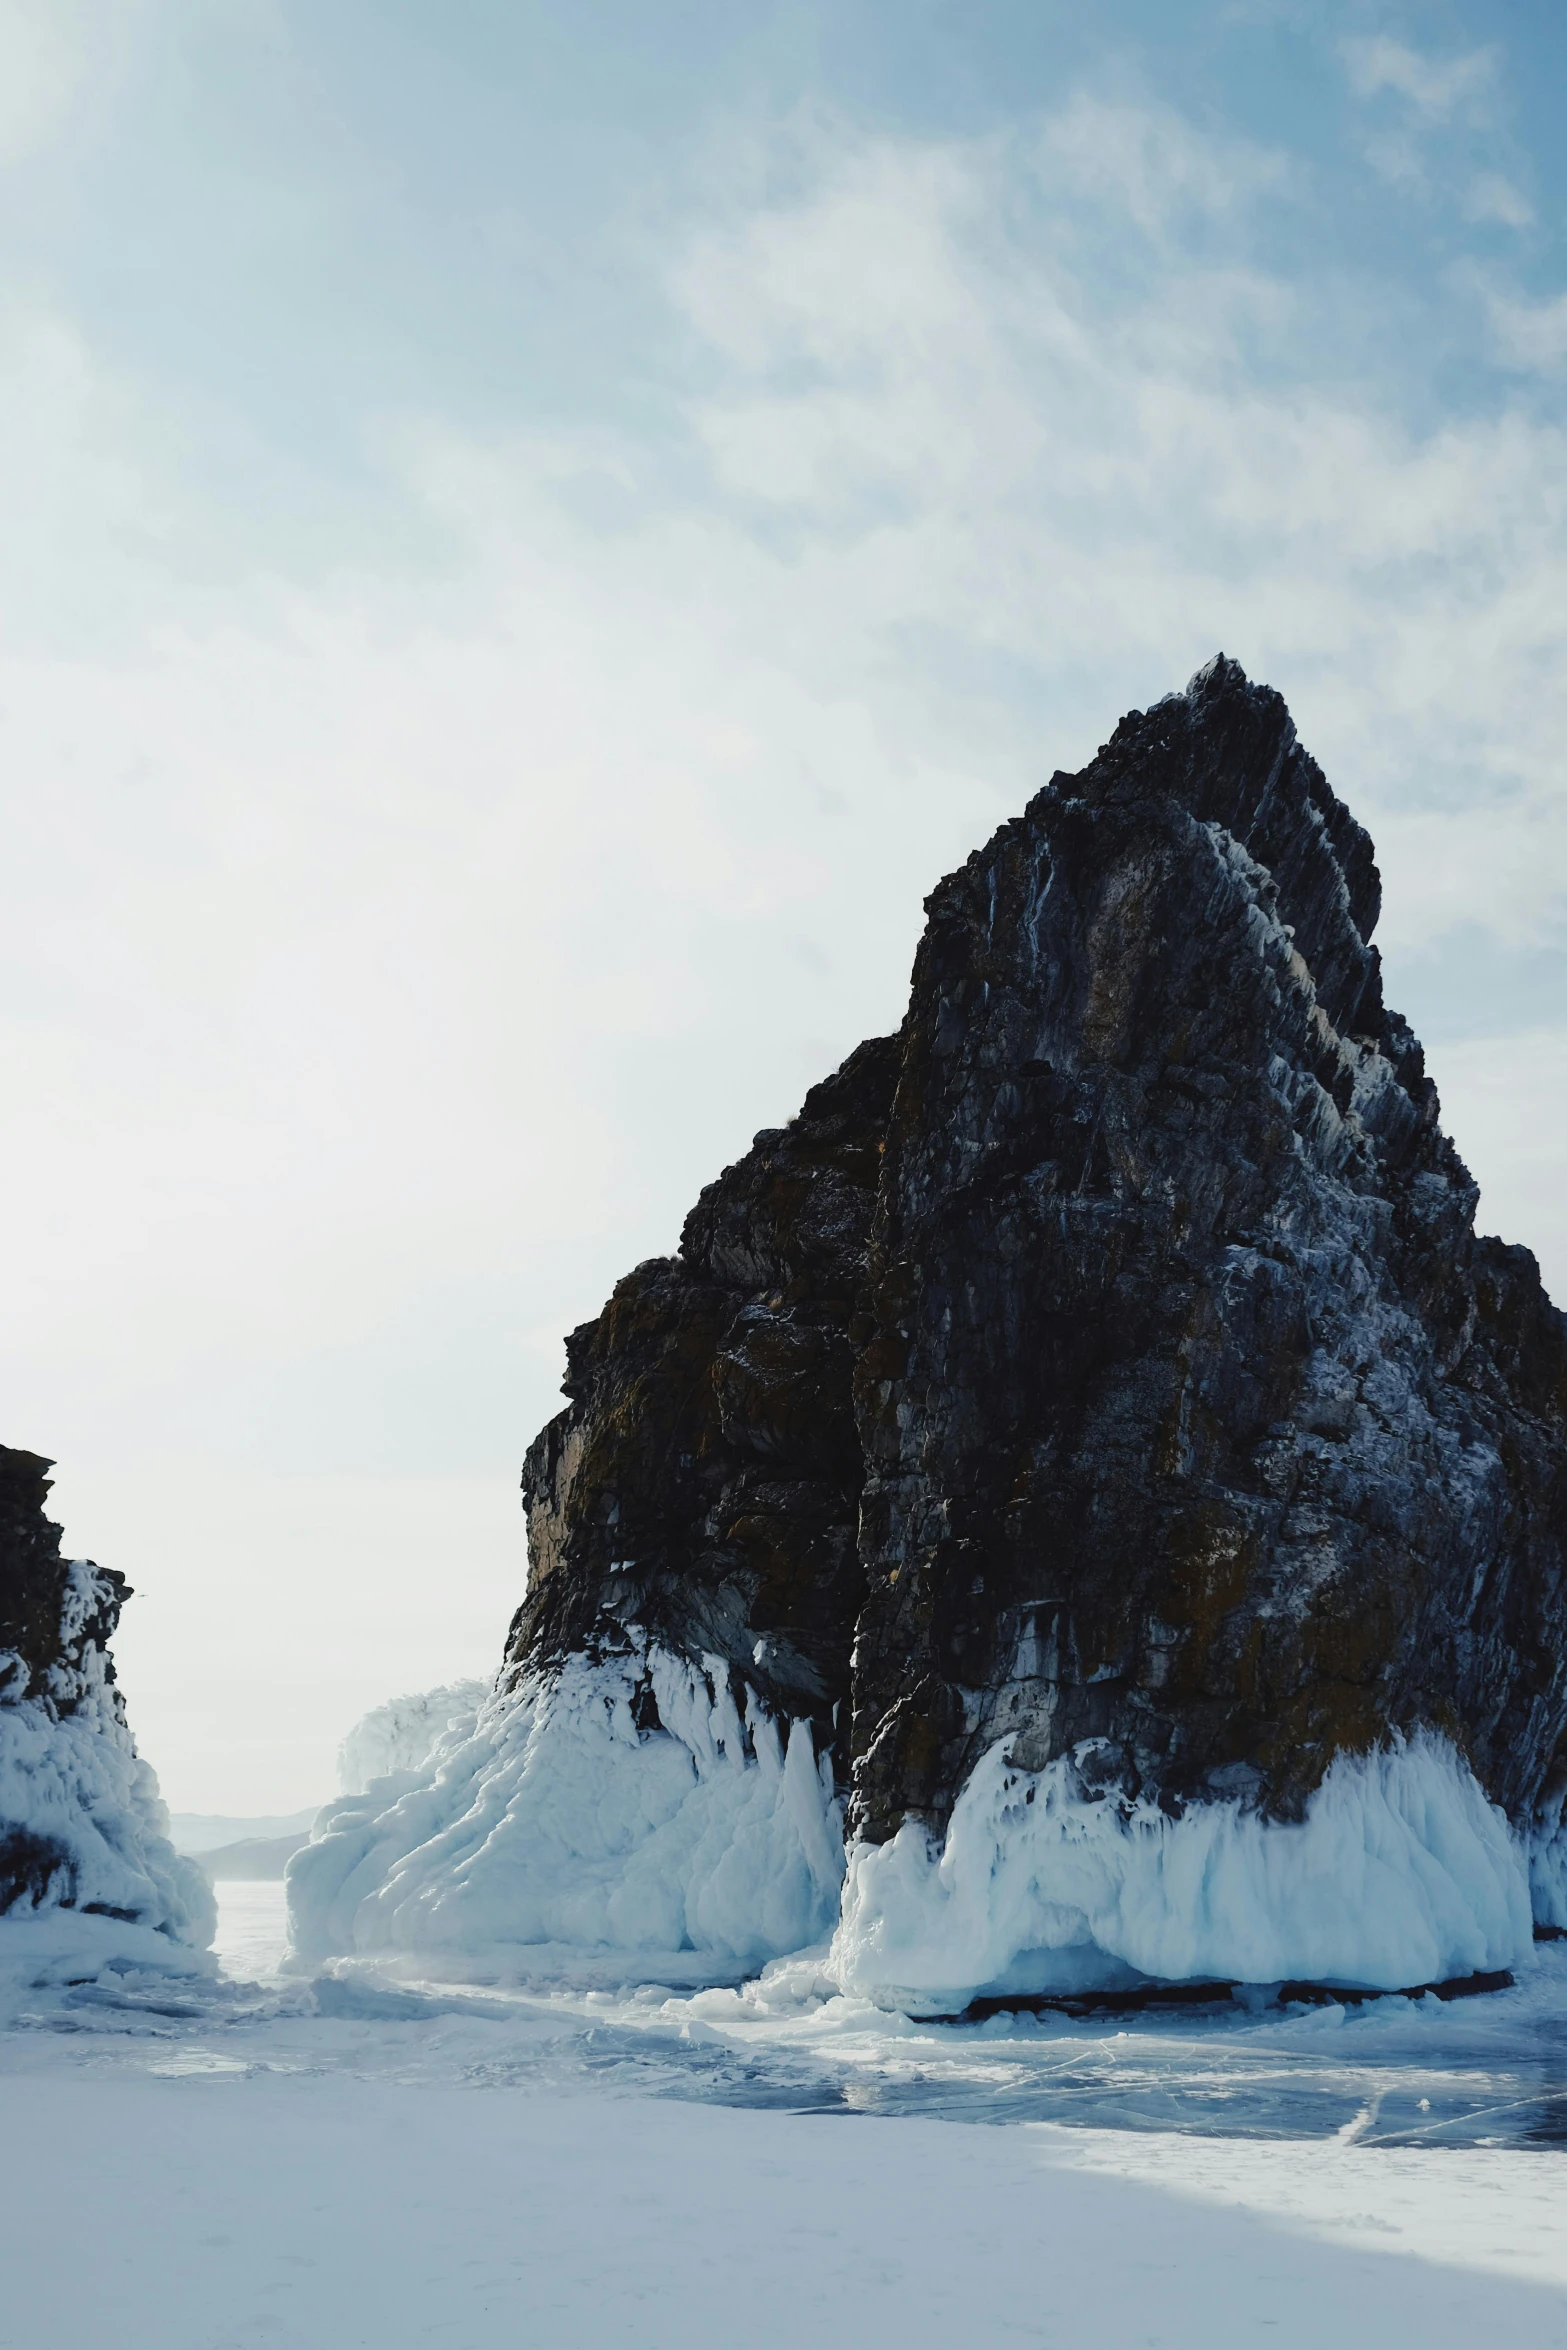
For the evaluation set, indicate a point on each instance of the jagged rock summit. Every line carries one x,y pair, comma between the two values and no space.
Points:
88,1877
1197,1423
1093,1437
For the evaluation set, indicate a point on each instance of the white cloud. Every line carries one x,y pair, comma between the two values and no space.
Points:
1151,166
1098,485
1491,197
42,61
1530,336
1492,1095
1435,88
1398,158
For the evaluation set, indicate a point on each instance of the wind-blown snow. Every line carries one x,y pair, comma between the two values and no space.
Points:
402,1734
1401,1873
628,1805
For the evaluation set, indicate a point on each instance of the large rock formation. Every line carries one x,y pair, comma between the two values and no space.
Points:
1197,1422
1100,1395
82,1827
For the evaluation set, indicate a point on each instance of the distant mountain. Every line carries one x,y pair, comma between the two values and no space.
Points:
205,1831
253,1857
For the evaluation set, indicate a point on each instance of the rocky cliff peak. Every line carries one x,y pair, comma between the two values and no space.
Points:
1107,1362
1193,1418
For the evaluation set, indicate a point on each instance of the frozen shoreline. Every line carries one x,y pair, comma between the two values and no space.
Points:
1489,2071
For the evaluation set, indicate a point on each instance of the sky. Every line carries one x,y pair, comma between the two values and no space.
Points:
534,534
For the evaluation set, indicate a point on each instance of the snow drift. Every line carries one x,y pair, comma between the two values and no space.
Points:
632,1805
1401,1873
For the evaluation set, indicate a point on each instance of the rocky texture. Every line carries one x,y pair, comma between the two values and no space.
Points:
1112,1348
43,1639
704,1486
1198,1423
82,1826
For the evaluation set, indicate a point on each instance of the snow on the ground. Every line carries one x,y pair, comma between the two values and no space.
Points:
366,2160
215,2212
1486,2070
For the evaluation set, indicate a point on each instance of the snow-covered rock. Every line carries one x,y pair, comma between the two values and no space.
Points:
626,1804
83,1829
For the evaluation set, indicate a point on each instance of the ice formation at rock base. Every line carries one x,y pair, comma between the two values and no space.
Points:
574,1818
1400,1873
1548,1868
630,1805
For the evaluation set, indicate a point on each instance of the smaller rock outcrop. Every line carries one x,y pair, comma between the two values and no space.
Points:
82,1826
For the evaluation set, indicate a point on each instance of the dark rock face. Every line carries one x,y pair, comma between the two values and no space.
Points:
1108,1361
82,1826
1198,1423
44,1639
53,1630
705,1483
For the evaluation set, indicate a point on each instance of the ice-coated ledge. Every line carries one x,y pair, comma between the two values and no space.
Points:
626,1805
1401,1873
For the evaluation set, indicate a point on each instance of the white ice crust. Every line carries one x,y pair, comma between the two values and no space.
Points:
1401,1873
1548,1863
567,1818
564,1815
74,1782
403,1734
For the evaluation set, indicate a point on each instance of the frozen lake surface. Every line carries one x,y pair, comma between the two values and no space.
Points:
1485,2071
358,2160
